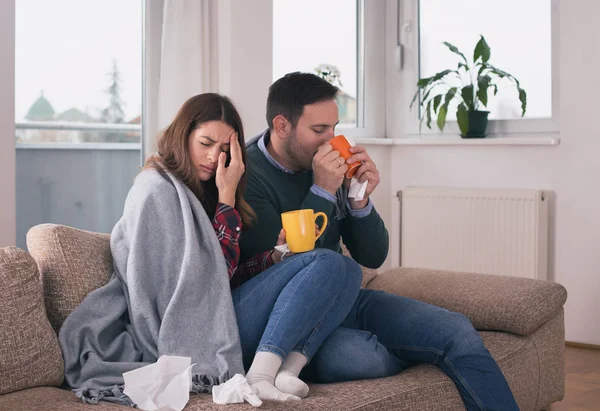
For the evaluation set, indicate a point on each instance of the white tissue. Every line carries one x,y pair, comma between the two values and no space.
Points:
284,249
162,386
235,390
357,190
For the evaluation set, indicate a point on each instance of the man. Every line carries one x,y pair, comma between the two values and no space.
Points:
291,166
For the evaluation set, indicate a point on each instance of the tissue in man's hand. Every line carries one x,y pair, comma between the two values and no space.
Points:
235,390
356,190
164,385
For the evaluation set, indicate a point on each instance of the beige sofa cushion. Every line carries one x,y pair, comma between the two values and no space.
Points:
421,388
72,263
492,302
29,352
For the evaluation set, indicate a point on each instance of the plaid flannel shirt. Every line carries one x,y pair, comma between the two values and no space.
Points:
228,227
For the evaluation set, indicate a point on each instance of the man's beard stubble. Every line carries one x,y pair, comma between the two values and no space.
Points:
299,155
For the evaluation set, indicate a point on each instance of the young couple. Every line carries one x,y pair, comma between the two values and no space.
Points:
196,272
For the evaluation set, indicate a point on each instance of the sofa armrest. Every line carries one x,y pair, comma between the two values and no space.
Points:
492,302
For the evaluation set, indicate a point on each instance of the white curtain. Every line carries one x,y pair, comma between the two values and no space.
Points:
181,59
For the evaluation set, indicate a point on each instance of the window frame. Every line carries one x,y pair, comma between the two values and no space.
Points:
370,72
370,119
402,27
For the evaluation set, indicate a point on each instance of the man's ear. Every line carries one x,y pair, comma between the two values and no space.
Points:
281,126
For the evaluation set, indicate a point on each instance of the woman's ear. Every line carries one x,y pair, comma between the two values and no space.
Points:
281,126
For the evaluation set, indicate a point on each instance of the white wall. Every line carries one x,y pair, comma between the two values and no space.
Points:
571,170
7,123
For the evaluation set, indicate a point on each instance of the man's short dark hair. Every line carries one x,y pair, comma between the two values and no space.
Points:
289,95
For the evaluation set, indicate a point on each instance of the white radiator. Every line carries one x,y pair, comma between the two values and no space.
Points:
491,231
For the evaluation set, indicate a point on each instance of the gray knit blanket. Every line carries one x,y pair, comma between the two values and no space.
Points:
169,294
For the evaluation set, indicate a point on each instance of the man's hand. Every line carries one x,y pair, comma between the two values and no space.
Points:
328,169
367,172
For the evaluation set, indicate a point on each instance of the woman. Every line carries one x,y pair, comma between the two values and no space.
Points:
170,292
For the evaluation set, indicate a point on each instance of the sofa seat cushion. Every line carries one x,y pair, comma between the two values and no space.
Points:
51,399
29,352
419,388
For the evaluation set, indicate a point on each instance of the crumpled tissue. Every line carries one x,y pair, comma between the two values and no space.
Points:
356,190
162,386
284,249
235,390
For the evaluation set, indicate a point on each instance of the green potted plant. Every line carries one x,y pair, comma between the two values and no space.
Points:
476,79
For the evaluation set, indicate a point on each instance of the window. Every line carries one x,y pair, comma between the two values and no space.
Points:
347,34
78,62
312,33
521,36
78,104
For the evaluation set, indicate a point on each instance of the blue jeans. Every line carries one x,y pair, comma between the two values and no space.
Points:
296,304
384,334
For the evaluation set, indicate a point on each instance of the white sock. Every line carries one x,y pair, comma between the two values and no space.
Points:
261,377
287,378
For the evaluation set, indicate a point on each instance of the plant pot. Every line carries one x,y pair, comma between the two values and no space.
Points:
478,122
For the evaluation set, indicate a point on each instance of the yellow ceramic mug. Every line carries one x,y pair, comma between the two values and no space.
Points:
299,229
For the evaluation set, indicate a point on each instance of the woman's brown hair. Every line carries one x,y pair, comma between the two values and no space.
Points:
173,152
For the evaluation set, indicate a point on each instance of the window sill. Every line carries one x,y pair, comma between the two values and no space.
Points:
457,141
78,146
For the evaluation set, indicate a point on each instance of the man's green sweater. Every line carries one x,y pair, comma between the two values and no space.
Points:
272,191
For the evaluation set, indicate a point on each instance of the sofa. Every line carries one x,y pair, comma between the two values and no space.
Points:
520,320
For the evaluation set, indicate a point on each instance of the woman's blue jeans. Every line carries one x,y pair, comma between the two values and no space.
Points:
296,304
384,334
